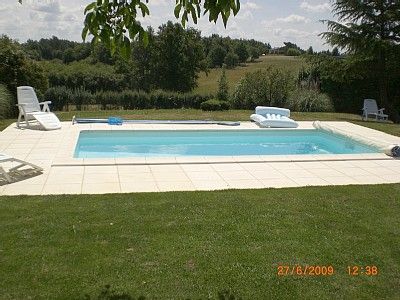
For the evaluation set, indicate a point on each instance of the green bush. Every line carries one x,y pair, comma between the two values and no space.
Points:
270,87
214,105
6,102
81,97
93,78
305,100
62,97
293,52
223,88
231,60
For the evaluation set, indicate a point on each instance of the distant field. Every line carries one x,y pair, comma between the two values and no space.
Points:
209,84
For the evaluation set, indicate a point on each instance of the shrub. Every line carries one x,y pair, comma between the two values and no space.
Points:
59,96
214,105
62,97
6,102
81,97
223,89
93,78
270,87
293,52
309,101
231,60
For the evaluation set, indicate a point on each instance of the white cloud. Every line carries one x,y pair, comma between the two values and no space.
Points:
158,3
323,7
293,19
292,33
245,15
52,7
249,5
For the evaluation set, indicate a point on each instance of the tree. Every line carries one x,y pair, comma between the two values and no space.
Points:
141,70
223,89
180,57
17,69
368,30
69,56
231,60
310,50
241,52
335,52
254,53
216,56
101,54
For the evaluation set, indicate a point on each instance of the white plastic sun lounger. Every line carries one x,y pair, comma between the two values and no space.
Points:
273,117
371,109
5,158
29,109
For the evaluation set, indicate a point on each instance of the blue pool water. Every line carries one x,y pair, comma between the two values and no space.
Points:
129,143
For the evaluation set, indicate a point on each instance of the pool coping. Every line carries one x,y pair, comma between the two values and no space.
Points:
62,174
66,157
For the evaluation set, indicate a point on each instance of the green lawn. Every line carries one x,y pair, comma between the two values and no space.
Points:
193,245
209,83
231,115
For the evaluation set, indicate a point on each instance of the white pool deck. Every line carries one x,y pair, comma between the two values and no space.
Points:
63,174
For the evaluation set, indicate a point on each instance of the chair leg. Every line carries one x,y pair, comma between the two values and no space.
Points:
8,178
19,119
26,121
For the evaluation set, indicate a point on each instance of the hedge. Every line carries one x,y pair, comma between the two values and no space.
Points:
63,97
215,105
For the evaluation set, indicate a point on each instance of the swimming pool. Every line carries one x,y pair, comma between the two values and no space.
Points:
170,143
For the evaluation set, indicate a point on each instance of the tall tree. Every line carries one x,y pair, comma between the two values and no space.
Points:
370,30
180,57
241,51
216,56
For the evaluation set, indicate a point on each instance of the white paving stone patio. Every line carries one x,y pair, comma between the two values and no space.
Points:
63,174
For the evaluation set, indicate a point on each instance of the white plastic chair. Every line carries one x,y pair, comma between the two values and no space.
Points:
30,109
371,109
6,158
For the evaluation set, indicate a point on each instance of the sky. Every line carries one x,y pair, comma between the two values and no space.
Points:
270,21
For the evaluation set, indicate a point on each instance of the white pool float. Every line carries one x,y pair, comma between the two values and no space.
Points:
273,117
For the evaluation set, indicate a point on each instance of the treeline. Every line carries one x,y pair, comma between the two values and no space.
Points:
291,49
217,50
171,61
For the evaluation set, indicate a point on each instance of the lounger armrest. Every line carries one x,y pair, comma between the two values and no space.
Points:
21,107
381,110
45,105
